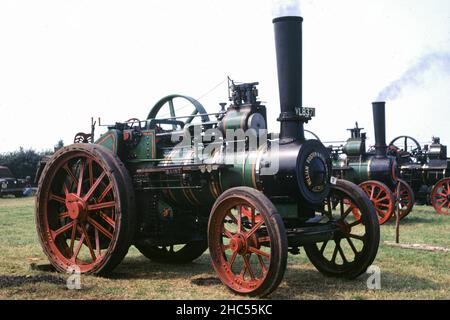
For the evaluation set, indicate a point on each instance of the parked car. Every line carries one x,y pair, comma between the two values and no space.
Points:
9,185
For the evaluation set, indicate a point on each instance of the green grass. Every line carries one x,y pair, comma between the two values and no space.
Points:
406,274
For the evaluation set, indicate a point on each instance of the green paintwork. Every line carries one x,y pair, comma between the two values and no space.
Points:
145,150
234,120
361,171
241,174
354,148
111,140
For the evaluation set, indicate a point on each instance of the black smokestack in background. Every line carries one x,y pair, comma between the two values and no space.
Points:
379,123
288,42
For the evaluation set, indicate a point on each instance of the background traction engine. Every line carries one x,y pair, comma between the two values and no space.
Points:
375,171
175,185
426,169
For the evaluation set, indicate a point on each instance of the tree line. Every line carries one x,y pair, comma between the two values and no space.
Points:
23,163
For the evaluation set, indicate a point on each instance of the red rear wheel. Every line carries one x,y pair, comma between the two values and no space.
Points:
247,242
440,197
84,209
406,199
381,197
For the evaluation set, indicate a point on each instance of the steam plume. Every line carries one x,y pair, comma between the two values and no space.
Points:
283,8
415,75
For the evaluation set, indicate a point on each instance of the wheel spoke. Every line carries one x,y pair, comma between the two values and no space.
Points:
70,174
357,237
78,248
107,219
88,242
63,215
99,206
335,252
341,252
322,249
350,242
254,229
249,268
97,243
94,186
233,259
90,173
239,219
61,230
259,252
227,233
104,193
262,264
73,236
56,198
100,227
80,177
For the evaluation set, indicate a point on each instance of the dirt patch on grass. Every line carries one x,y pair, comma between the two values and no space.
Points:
205,282
17,281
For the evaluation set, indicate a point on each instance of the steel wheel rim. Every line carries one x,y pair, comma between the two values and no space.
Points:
240,254
80,214
381,200
441,197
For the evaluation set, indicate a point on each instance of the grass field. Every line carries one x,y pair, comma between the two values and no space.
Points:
406,274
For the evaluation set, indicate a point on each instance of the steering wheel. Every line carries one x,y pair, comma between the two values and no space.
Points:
405,147
193,107
133,123
82,137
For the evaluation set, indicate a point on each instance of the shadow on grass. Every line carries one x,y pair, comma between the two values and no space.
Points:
297,281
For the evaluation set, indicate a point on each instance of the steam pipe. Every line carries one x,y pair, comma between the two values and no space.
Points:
288,42
379,122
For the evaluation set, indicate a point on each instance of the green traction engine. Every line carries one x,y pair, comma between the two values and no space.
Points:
176,184
374,170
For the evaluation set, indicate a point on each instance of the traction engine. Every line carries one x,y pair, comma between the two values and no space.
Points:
374,170
174,185
426,169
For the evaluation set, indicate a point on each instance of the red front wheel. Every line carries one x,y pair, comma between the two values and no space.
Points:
247,242
440,197
381,197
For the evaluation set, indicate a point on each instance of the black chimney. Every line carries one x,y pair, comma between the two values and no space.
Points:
379,123
288,42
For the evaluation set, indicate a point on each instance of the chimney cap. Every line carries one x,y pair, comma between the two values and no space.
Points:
288,18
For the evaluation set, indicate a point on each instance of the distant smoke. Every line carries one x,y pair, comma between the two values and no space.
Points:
415,75
283,8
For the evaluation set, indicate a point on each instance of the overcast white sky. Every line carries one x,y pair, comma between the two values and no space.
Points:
62,62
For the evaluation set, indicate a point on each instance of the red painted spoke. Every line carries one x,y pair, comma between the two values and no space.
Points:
56,198
104,193
229,215
442,194
62,230
259,252
78,248
382,199
254,229
97,243
239,219
249,268
99,206
262,264
90,173
264,239
63,215
88,242
80,178
100,227
107,219
73,236
70,174
94,186
372,193
227,233
233,259
66,191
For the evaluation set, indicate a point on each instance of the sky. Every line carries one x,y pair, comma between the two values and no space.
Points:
63,62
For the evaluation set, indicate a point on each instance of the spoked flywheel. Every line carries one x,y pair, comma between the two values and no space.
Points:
381,197
355,246
247,242
85,214
173,254
440,197
406,199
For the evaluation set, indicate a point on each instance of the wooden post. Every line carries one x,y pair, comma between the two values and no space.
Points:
397,213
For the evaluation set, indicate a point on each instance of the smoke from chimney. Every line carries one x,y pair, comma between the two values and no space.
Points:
285,8
414,75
